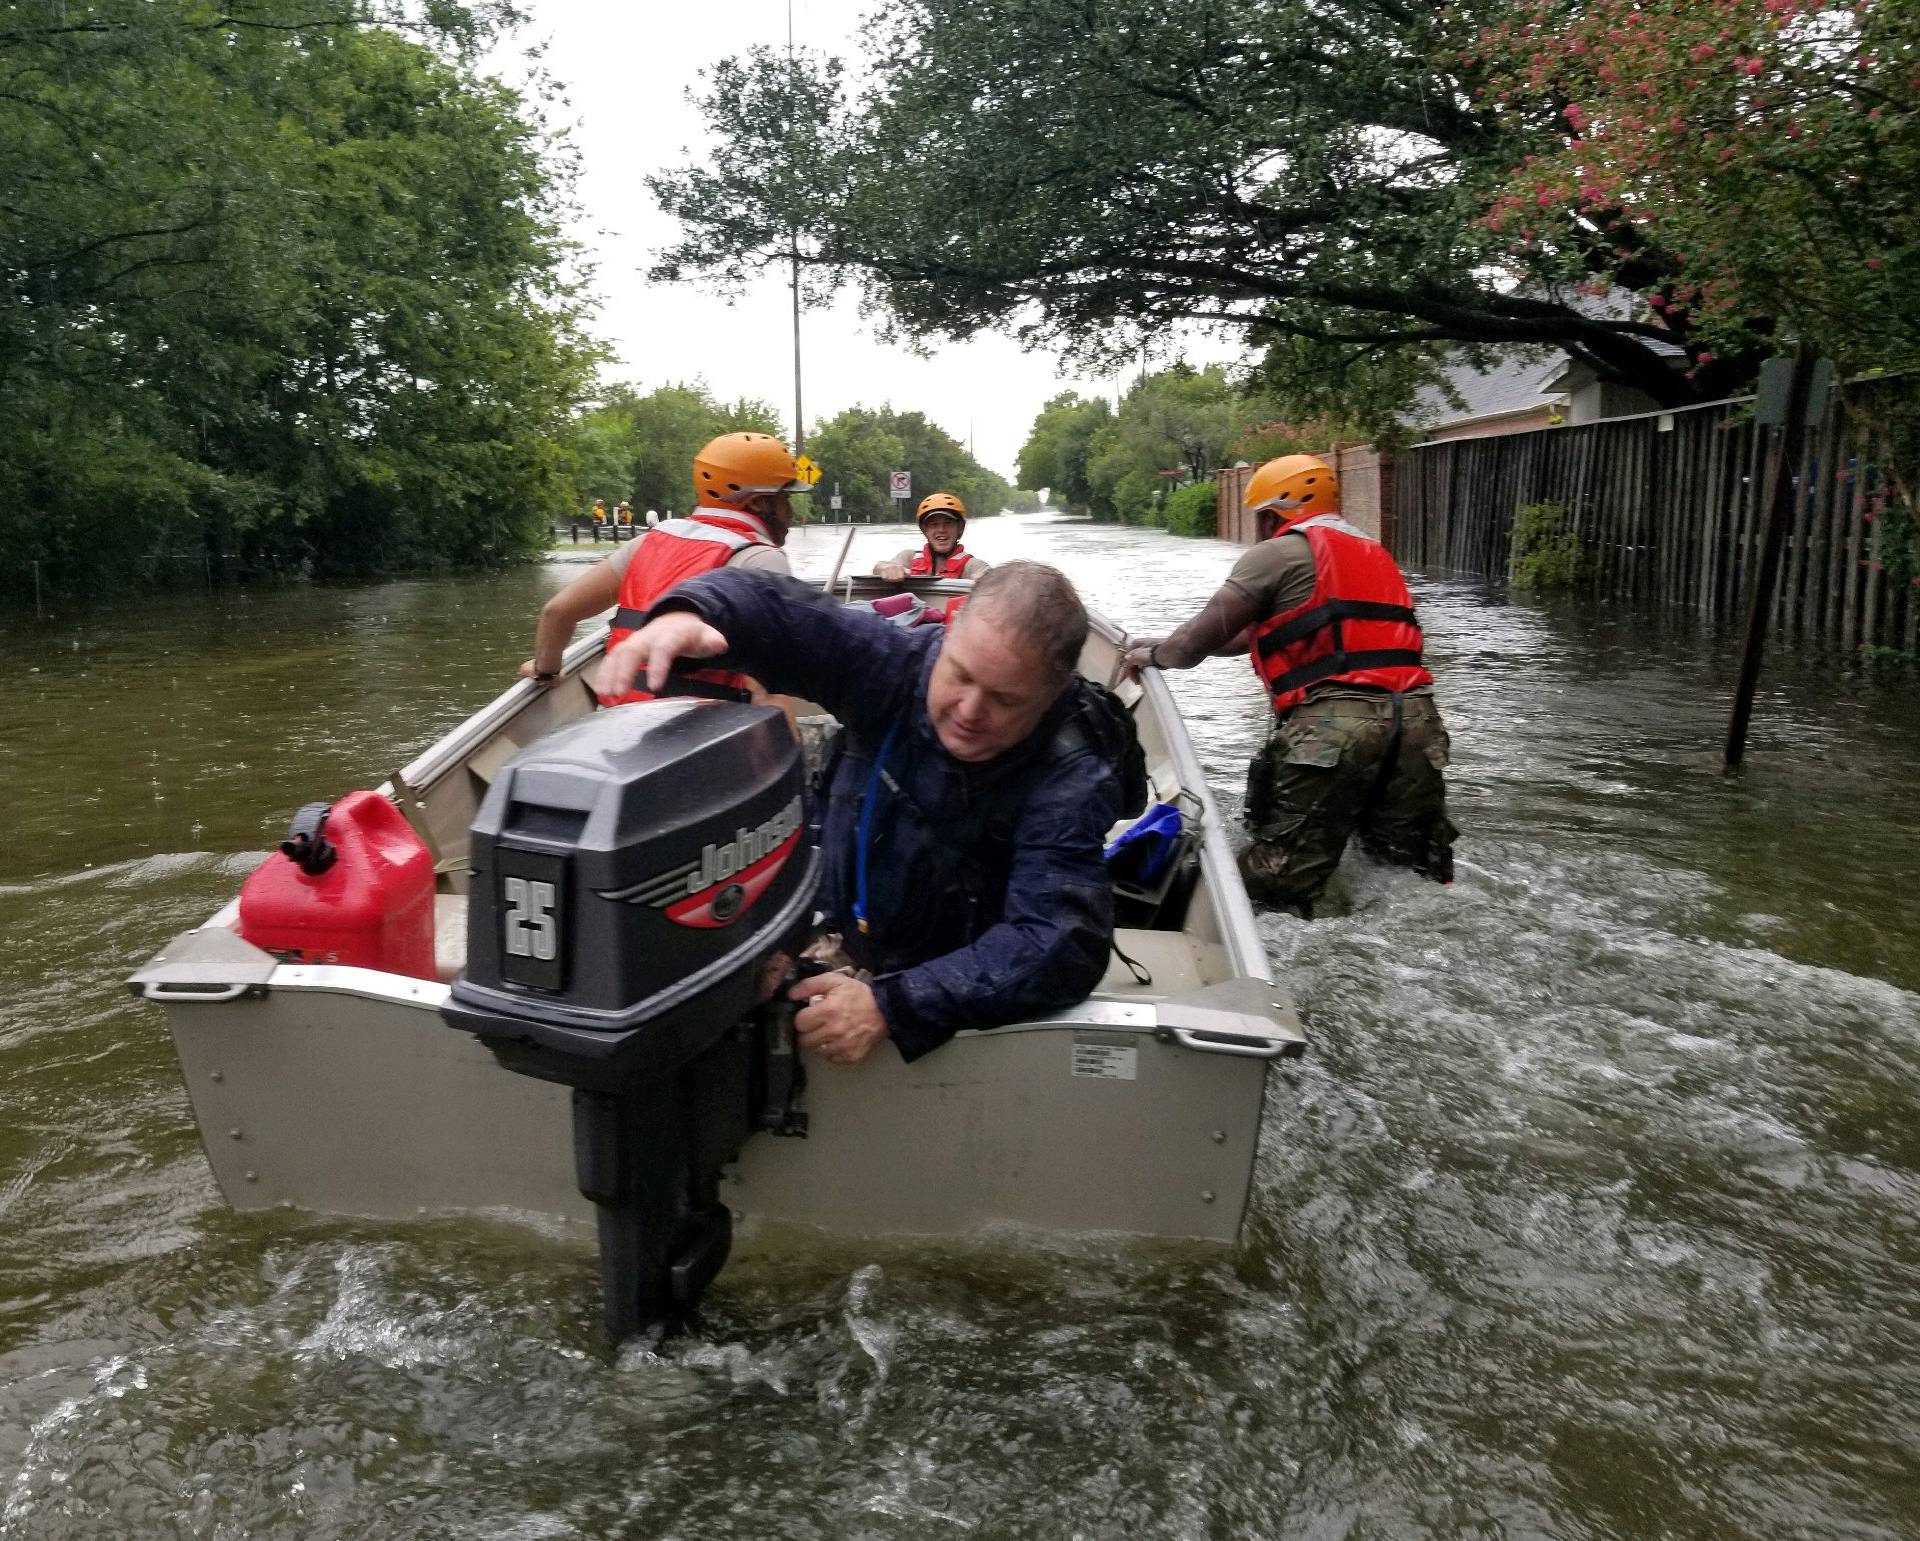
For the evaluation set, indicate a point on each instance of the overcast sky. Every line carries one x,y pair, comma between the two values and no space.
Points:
625,66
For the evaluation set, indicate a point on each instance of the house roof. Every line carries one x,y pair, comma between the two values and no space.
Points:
1526,379
1517,383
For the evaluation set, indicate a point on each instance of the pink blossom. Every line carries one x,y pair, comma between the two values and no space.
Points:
1703,52
1752,66
1873,262
1705,358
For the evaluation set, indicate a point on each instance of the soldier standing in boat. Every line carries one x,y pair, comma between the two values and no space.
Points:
743,489
1358,745
942,518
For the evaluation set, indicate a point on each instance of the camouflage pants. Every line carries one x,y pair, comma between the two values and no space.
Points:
1343,765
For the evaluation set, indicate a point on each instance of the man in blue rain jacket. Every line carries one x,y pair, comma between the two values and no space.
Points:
965,813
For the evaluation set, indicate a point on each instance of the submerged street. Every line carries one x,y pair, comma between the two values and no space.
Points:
1593,1211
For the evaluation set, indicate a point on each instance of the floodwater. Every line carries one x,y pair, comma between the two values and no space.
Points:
1594,1211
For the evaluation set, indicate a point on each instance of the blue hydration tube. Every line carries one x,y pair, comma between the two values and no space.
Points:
866,828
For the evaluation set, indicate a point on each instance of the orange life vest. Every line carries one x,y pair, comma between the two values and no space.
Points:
670,553
955,566
1356,628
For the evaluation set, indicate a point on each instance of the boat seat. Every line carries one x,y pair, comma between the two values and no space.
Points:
449,936
1167,955
484,763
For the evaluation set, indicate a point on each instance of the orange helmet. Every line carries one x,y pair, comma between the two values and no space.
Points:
941,503
1293,487
738,466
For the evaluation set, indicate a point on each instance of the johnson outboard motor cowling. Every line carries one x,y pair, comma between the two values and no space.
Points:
635,875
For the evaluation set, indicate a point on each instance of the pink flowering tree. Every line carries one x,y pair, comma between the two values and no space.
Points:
1749,167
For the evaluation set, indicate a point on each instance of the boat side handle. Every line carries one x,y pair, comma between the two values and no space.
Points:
159,990
1219,1043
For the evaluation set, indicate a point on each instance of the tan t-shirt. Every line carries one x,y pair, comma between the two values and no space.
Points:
754,559
1276,574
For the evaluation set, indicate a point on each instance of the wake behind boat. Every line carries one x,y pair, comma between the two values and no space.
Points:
344,1089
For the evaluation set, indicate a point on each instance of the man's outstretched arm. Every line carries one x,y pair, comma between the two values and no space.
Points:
792,638
1221,627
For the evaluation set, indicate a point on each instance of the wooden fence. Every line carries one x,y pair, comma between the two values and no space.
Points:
1668,506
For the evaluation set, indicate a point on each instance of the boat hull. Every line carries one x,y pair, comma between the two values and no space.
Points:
343,1091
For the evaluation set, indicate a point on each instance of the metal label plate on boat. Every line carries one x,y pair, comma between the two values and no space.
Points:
1105,1057
532,912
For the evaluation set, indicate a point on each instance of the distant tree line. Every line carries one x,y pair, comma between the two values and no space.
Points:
859,448
1174,428
641,448
281,288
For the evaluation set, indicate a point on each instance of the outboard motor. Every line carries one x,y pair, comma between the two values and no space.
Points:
641,880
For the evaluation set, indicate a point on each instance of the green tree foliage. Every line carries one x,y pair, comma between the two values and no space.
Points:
1194,510
1269,440
1055,454
862,445
1543,555
1749,164
283,287
1174,427
1321,391
1311,171
641,448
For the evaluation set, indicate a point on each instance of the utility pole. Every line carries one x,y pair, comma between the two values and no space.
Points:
793,253
1791,393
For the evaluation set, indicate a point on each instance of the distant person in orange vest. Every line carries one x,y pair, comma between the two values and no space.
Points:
623,513
599,510
1358,745
743,488
943,520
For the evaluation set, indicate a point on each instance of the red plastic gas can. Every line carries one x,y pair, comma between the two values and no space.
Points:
356,888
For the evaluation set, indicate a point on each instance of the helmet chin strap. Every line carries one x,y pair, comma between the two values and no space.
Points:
765,506
1273,516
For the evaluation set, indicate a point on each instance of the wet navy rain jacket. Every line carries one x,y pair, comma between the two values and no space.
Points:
988,898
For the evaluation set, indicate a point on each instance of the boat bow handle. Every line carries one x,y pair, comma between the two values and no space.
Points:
1221,1043
161,990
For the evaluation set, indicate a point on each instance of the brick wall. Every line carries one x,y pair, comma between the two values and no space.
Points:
1366,493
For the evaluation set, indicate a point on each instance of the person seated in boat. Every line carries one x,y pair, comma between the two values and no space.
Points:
943,520
1358,745
744,485
965,810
